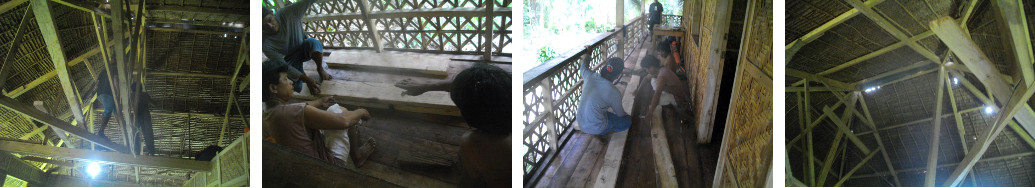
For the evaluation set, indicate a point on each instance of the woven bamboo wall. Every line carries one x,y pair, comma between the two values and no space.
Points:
746,152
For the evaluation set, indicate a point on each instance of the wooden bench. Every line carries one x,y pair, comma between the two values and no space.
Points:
386,96
389,61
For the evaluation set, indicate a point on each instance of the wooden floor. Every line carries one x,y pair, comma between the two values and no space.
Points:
400,133
580,159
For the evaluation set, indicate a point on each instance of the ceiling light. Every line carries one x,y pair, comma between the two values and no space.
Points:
93,169
955,81
989,110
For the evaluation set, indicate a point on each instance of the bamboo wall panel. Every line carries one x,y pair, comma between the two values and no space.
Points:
746,153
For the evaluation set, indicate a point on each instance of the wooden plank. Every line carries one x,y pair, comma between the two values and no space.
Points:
662,155
104,157
384,95
857,166
390,147
586,165
400,177
291,168
608,174
568,156
434,65
971,56
841,126
56,123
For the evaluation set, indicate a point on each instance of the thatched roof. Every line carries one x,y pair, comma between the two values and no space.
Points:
188,75
907,95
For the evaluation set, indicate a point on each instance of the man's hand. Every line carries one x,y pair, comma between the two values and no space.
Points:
412,87
364,114
324,76
323,102
314,88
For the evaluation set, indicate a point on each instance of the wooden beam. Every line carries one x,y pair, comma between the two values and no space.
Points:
871,55
841,126
10,5
810,176
5,70
888,74
390,61
173,29
31,112
857,166
1020,96
832,152
196,9
387,96
14,166
49,30
932,154
887,26
880,144
990,159
794,46
1012,14
430,12
662,155
105,157
813,89
233,83
809,76
960,130
970,55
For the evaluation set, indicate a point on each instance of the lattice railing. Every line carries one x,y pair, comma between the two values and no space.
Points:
434,26
552,90
672,20
229,167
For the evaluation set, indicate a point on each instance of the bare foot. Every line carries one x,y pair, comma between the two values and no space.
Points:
412,87
365,151
324,76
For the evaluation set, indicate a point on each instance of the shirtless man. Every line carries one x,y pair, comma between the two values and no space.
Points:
482,93
661,66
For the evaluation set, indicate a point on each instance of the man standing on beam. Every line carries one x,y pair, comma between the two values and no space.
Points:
284,40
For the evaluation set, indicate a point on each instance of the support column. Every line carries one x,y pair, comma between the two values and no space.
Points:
46,24
932,155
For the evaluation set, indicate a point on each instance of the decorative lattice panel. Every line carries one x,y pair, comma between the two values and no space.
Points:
562,84
435,26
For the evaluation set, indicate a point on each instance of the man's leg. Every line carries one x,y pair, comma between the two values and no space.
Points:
109,107
314,49
149,135
618,123
360,151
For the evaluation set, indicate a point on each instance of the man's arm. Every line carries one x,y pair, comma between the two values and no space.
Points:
615,101
320,119
656,97
297,9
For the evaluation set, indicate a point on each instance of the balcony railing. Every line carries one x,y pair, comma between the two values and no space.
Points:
552,90
428,26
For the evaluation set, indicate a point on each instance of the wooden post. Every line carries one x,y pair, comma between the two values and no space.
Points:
551,120
233,83
375,36
932,155
489,6
619,24
1012,14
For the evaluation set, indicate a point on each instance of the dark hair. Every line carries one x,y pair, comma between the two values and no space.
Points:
612,69
266,11
271,77
482,93
650,61
664,47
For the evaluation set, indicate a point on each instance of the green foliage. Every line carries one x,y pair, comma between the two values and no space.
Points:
545,53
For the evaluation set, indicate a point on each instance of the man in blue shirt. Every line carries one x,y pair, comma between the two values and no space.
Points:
598,95
283,40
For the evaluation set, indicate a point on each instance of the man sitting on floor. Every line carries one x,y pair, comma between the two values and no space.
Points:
665,81
482,93
297,125
283,39
598,95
